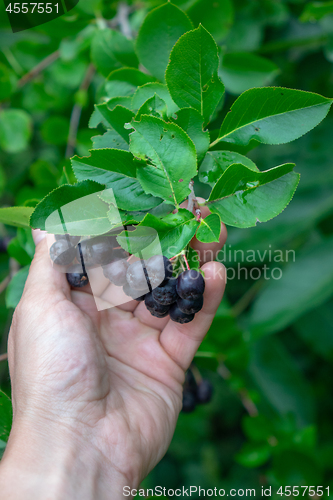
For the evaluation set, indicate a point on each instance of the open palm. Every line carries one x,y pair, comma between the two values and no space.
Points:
112,379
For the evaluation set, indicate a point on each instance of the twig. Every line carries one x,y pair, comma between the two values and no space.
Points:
3,357
39,68
4,283
122,18
76,114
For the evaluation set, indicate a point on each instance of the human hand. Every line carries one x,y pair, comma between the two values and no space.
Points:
96,395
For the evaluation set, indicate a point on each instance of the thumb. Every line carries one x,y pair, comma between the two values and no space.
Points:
43,279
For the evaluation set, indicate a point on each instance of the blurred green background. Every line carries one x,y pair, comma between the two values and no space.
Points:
269,351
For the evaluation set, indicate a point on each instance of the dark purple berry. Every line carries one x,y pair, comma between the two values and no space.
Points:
178,316
189,401
62,253
116,272
134,294
155,309
159,268
136,276
190,284
166,294
204,391
77,279
190,306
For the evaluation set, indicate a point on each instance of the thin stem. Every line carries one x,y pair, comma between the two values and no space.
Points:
12,61
3,357
122,18
39,68
186,261
4,283
76,114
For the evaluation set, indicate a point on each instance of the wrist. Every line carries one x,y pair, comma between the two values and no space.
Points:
53,462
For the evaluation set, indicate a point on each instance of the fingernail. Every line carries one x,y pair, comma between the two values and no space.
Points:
38,235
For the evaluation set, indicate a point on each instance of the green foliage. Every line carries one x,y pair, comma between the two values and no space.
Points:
241,71
192,76
273,116
15,130
257,197
158,34
5,416
16,286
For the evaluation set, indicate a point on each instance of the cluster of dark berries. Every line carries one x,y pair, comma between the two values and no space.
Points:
78,256
195,392
153,281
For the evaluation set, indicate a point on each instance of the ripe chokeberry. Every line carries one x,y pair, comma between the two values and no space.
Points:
190,284
116,272
136,276
62,253
189,401
178,316
155,309
190,306
159,268
204,391
77,279
166,294
138,295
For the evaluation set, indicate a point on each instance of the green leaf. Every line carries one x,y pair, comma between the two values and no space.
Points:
283,300
116,118
15,130
313,11
191,122
215,16
216,162
124,81
209,229
97,118
191,74
242,71
159,32
82,211
16,216
109,140
253,454
175,231
17,252
149,90
242,197
115,169
111,50
171,158
273,115
155,106
284,389
15,288
6,416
